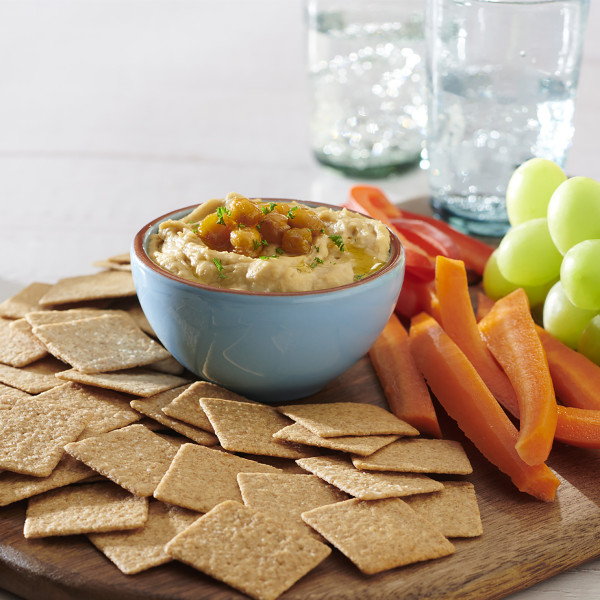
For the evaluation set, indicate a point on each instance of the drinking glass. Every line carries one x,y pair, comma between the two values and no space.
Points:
501,79
367,78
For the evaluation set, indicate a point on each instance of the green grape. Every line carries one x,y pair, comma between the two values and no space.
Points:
495,286
580,274
589,343
527,256
574,212
562,318
530,188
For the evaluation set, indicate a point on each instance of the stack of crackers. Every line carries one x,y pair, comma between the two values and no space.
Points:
106,435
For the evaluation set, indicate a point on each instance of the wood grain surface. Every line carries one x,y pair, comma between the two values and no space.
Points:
525,541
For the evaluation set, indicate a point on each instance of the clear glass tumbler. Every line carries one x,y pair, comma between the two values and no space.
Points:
367,78
502,78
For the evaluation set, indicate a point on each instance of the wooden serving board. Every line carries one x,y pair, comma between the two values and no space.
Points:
525,541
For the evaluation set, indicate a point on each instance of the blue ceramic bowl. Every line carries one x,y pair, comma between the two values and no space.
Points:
272,347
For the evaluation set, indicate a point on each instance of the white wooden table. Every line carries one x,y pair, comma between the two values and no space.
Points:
114,112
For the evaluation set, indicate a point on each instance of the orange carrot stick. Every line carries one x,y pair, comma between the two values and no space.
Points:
576,378
459,322
403,384
509,332
465,397
578,427
484,305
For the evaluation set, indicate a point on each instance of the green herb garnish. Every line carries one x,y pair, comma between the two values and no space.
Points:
292,211
338,241
359,277
279,250
221,212
269,208
219,268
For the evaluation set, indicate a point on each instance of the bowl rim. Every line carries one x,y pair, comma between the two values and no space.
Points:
396,256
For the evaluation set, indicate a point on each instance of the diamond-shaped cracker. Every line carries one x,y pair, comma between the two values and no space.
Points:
453,510
106,284
15,487
143,548
27,381
48,316
152,407
347,418
89,507
33,434
133,457
18,346
99,344
137,314
378,535
268,558
136,381
285,496
168,365
24,301
109,264
186,407
9,395
103,410
418,455
199,477
340,472
249,428
362,445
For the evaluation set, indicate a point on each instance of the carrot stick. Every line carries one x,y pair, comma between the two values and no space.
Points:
576,378
578,427
458,320
484,305
465,397
509,332
403,385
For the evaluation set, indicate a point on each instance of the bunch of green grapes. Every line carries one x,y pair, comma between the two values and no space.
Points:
552,250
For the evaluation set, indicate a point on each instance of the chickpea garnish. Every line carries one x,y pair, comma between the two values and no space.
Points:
246,227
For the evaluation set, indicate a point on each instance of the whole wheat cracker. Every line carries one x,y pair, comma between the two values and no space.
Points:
285,496
340,472
15,487
362,445
152,407
84,508
186,407
109,342
103,285
378,535
47,316
24,301
103,410
27,381
9,395
418,455
18,346
141,549
133,457
33,434
137,381
268,558
453,510
338,419
199,478
249,428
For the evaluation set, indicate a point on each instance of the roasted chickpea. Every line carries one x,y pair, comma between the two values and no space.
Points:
296,240
214,234
282,209
244,211
304,217
246,240
273,226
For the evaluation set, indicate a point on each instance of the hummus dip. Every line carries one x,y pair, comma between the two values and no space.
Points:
343,247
